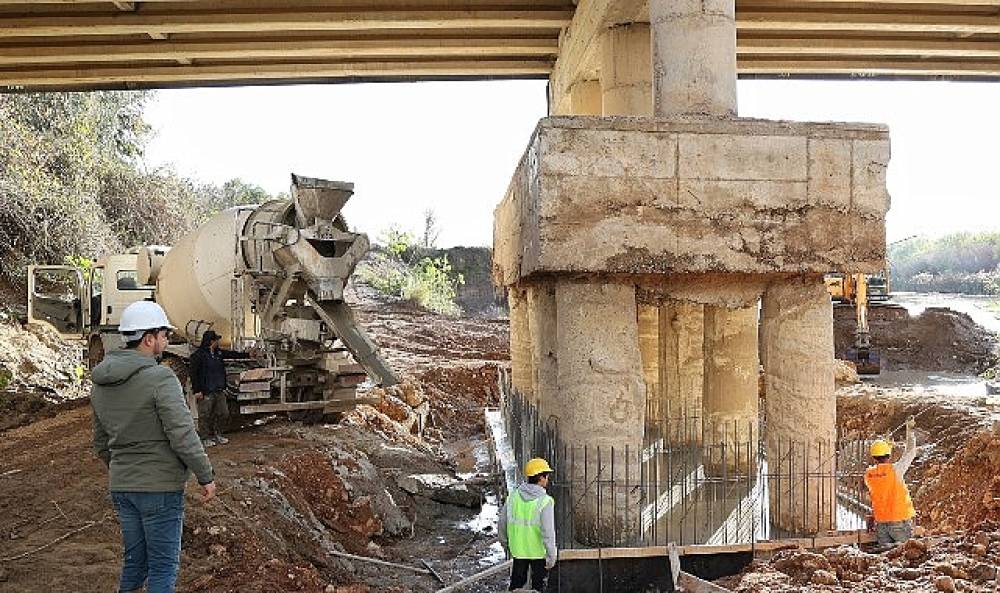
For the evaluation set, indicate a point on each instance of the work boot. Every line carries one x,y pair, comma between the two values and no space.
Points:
209,442
221,439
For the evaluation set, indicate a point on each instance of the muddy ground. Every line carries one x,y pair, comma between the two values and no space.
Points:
293,495
938,339
289,494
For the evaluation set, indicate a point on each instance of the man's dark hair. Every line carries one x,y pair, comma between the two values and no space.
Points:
133,344
535,478
882,458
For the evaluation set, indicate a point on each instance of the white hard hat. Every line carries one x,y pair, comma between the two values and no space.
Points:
140,317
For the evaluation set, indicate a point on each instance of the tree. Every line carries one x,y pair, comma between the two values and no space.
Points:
431,230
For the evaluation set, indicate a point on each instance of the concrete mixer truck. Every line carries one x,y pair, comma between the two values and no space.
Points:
269,279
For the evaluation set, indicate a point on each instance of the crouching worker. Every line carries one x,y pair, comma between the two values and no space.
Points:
527,528
892,508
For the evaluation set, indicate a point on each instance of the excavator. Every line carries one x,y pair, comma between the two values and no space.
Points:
860,290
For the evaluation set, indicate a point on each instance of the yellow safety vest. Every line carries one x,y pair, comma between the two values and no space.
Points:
524,526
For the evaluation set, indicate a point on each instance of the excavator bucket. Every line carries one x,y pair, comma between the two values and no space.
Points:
867,361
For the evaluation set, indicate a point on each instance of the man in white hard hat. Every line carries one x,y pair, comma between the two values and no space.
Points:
144,432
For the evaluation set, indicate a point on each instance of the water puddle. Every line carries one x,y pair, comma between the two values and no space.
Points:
931,383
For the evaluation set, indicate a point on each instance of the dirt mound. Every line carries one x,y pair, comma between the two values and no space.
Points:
40,374
458,395
936,340
955,478
961,562
965,489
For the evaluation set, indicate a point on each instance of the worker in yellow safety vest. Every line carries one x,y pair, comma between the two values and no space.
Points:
527,528
892,508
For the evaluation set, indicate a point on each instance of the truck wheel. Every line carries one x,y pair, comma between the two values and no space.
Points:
95,352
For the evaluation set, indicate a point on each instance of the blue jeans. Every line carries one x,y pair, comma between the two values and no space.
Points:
151,533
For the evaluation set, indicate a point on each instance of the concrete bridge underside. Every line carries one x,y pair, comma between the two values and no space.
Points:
73,44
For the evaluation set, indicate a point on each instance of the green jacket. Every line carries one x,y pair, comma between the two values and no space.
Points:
143,429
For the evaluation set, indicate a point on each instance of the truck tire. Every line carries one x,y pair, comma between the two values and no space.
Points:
95,352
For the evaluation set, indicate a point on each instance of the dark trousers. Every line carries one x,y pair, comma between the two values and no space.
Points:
519,574
213,412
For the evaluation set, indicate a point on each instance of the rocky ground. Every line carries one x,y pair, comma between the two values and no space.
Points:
396,481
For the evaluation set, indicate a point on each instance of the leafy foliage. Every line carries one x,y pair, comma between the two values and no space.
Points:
960,262
72,182
399,270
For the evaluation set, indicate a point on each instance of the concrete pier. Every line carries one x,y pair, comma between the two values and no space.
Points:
729,404
801,407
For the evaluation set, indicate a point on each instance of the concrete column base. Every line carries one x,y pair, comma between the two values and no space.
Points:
602,395
678,405
520,343
649,349
729,403
544,363
801,408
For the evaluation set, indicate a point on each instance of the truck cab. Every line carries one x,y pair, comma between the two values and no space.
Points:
86,305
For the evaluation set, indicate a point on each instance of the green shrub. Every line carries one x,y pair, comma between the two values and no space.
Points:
397,271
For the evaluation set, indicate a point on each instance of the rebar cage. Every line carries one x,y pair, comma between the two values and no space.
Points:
690,483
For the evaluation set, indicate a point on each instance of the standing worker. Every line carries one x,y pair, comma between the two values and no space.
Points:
527,528
892,508
144,433
208,382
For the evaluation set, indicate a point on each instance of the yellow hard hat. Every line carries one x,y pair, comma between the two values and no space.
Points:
881,447
536,466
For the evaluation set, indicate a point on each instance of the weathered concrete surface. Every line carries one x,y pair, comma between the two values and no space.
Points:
730,401
626,84
585,98
520,343
800,406
649,349
602,395
651,196
682,338
544,362
694,57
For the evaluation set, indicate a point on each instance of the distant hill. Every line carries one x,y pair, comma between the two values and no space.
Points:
966,263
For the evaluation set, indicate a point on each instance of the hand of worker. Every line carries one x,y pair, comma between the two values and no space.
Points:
199,396
910,423
549,566
207,491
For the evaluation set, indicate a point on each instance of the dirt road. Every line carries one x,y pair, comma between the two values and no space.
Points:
289,494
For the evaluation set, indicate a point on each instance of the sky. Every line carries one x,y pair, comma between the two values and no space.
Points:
451,147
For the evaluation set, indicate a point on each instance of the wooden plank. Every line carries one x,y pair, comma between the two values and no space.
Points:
247,387
253,396
257,374
246,49
818,542
477,577
139,23
286,407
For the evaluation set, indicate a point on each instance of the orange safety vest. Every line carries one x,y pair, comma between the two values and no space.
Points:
890,497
